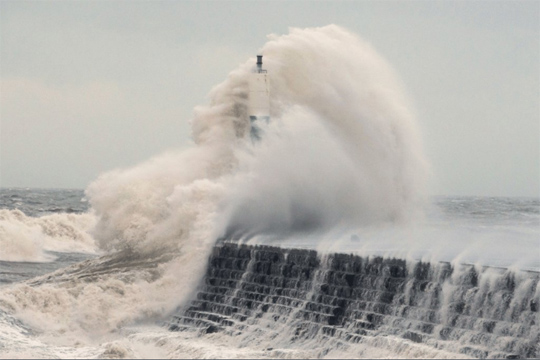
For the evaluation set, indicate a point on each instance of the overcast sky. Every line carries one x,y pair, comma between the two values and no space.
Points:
89,86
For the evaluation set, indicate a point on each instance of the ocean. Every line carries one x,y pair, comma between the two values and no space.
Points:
41,327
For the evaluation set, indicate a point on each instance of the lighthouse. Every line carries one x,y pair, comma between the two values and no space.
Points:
259,99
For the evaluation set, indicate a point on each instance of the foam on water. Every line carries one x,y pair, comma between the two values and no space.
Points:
25,238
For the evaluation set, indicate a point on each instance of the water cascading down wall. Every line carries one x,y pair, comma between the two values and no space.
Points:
292,296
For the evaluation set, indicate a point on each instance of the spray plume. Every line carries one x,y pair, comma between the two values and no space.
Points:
342,148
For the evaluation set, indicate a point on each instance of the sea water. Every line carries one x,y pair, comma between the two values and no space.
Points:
514,221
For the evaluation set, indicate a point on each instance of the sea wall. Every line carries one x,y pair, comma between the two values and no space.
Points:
341,300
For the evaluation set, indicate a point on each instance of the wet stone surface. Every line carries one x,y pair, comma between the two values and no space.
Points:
477,312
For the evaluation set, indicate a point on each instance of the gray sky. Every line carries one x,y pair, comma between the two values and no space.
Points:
91,86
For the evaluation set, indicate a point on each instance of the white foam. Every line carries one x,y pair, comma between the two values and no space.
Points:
24,238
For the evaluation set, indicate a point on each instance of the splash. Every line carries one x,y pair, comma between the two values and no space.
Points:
342,148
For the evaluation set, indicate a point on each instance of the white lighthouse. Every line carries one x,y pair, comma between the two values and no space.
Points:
259,99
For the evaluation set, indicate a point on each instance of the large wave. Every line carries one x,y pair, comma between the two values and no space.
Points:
25,238
342,148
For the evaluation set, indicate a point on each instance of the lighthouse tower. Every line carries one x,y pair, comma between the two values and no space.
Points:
259,99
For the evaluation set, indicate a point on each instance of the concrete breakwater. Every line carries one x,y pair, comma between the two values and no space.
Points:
295,296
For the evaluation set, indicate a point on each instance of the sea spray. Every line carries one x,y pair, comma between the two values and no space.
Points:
341,148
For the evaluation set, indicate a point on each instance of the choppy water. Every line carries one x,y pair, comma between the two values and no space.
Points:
496,231
499,220
38,202
512,223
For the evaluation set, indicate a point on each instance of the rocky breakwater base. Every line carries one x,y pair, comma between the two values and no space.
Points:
283,297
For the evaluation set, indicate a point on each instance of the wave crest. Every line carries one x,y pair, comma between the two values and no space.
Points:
25,238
